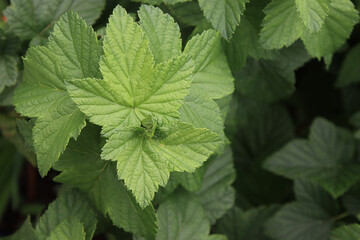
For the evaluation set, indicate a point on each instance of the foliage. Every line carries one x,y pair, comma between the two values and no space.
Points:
180,119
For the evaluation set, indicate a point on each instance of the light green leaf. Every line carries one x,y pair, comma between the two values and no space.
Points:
265,80
299,221
25,232
326,158
68,230
72,204
313,13
145,163
281,26
43,95
336,29
349,70
224,15
83,168
182,218
212,75
163,33
216,194
132,88
239,224
30,18
348,232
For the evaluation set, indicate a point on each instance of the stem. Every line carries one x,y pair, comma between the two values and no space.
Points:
340,216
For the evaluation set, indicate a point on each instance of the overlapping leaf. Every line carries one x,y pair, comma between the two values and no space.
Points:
43,94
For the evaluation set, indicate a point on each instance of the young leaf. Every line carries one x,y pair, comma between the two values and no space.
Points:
299,221
224,15
327,158
182,218
83,168
336,29
145,163
238,224
132,87
282,24
348,232
212,75
313,13
29,18
163,33
70,205
43,95
68,230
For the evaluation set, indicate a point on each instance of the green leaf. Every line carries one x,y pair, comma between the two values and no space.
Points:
212,75
336,29
308,192
10,169
163,33
224,15
68,230
25,232
188,13
326,158
190,181
348,74
83,168
281,26
217,237
216,194
265,80
72,204
202,112
348,232
145,163
313,13
182,218
239,224
8,71
25,128
43,95
299,221
30,18
245,40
